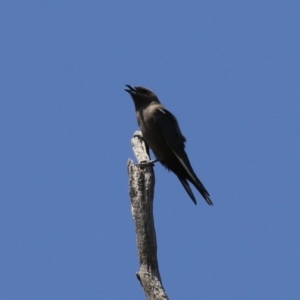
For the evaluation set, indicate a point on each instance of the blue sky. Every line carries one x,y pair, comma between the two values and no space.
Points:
229,71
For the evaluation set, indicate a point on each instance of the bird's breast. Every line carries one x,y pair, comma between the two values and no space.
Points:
153,136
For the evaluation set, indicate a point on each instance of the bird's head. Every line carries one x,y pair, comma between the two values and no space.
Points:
141,95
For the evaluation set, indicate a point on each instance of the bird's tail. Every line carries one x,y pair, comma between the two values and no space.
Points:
188,189
202,190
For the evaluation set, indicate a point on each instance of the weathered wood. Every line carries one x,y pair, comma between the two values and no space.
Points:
141,182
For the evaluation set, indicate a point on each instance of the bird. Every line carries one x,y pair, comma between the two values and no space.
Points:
161,132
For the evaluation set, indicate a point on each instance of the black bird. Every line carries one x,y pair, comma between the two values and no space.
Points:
162,134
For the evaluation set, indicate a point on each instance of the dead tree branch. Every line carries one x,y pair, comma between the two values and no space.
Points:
141,182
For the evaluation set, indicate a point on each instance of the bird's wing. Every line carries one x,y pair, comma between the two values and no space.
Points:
168,126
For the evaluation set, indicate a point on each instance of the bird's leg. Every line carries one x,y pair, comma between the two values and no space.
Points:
146,163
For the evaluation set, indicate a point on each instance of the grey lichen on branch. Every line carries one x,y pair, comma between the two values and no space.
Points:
141,183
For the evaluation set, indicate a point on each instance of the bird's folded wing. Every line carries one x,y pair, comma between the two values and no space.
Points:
168,126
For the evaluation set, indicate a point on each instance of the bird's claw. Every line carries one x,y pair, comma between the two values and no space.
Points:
147,163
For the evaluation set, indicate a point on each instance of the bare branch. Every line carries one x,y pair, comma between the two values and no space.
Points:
141,181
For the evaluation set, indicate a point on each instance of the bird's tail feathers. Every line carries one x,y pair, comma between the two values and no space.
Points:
188,189
202,190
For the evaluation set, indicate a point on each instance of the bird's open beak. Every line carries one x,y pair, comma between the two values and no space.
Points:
131,90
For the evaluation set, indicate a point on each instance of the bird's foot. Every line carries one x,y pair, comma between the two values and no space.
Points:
147,163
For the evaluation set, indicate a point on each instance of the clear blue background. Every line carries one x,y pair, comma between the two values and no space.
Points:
230,72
